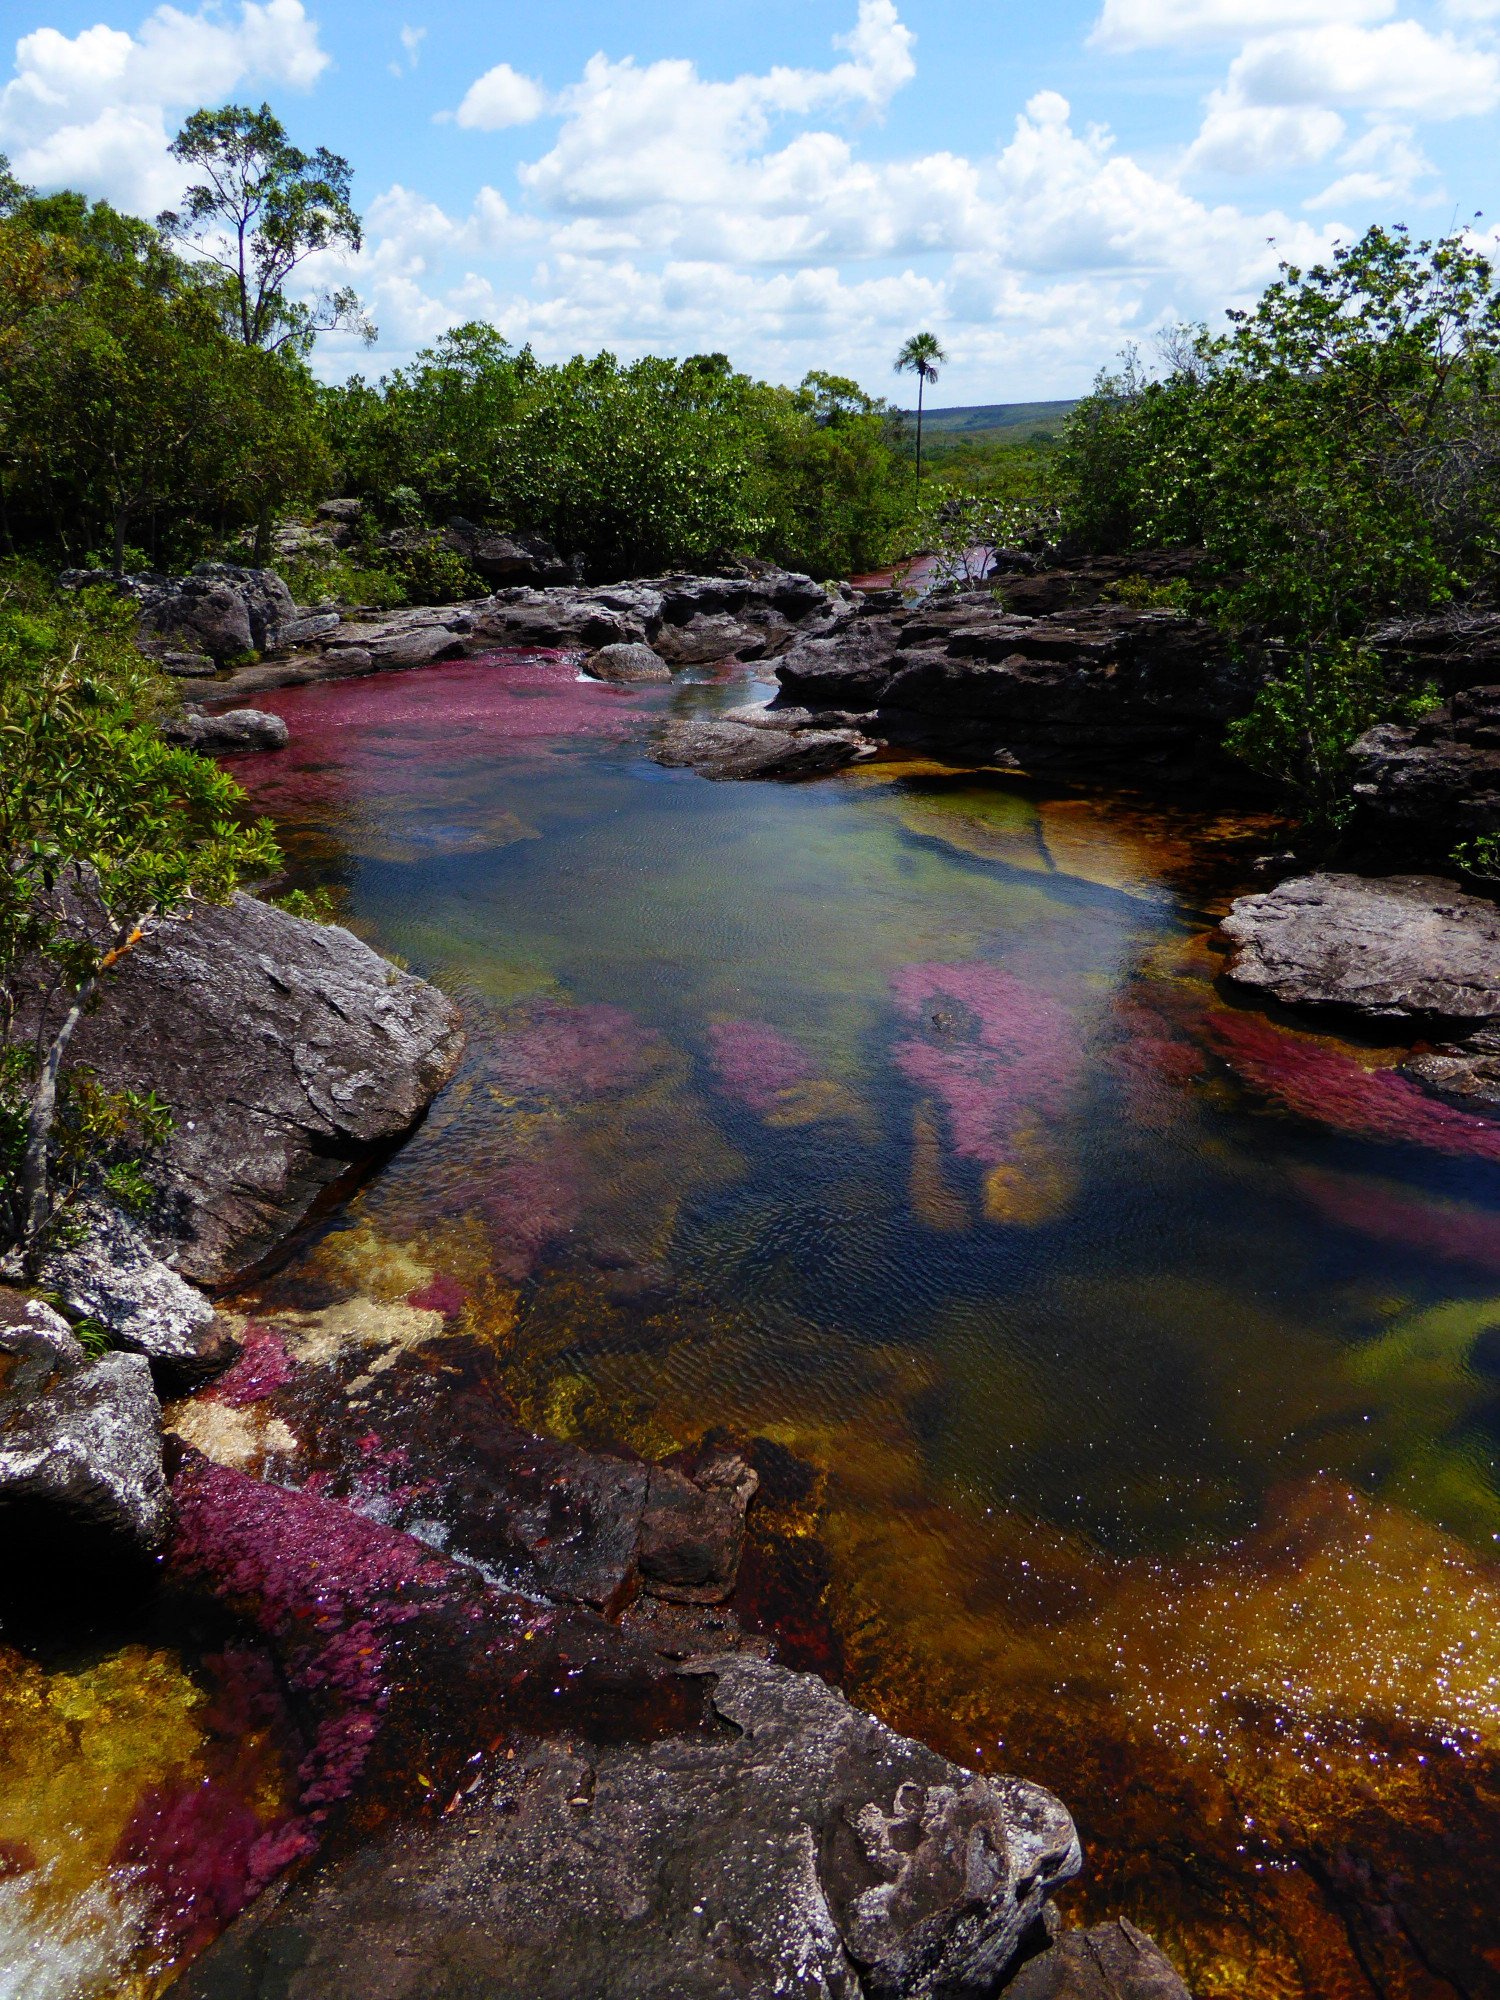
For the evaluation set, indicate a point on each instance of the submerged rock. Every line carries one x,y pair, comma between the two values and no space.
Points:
286,1050
1393,948
739,750
80,1444
1110,1962
231,732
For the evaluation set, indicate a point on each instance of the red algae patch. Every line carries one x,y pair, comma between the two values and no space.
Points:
262,1366
755,1063
1005,1062
1315,1080
1392,1214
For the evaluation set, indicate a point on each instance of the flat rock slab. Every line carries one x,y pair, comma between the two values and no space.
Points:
740,750
792,1845
1393,948
286,1051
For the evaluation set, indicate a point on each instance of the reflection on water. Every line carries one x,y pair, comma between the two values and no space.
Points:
1147,1354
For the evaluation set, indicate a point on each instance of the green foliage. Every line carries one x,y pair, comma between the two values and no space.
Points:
124,406
93,1338
319,905
1337,455
263,208
103,828
636,467
1304,721
1144,593
1479,856
429,572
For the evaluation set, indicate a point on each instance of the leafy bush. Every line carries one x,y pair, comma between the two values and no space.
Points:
103,828
1336,453
1144,593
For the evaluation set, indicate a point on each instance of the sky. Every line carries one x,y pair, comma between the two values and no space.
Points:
802,183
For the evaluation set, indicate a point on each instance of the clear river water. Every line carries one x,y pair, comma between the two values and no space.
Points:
1146,1351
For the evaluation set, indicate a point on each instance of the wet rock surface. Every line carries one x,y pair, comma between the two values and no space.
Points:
1101,690
1109,1962
742,750
80,1446
780,1842
685,620
1398,948
287,1051
111,1275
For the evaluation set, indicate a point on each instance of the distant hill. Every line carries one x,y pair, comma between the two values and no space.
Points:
975,420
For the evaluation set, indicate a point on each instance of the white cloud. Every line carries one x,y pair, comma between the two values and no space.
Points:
1399,67
1152,24
1035,262
1239,138
636,134
1384,165
412,40
501,97
91,110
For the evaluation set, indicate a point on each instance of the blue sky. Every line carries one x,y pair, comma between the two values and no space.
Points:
803,182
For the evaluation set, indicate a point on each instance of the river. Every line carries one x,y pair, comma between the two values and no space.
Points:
1145,1353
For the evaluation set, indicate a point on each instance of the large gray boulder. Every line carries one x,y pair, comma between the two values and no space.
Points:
791,1845
80,1441
286,1051
1393,948
628,664
1103,691
231,732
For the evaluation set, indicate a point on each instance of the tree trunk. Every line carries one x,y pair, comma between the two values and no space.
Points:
262,536
35,1202
921,385
122,515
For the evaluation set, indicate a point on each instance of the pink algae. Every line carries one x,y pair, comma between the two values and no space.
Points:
755,1062
1001,1057
329,1588
1391,1214
569,1052
440,1294
1323,1084
398,724
262,1366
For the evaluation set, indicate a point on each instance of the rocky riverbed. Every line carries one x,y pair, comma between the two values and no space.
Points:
513,1670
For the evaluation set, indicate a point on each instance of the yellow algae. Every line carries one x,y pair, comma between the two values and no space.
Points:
355,1324
245,1438
1034,1187
935,1202
377,1265
820,1101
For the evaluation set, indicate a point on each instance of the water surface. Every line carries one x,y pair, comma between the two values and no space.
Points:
1146,1352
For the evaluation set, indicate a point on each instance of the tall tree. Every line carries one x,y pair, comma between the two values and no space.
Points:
262,209
922,355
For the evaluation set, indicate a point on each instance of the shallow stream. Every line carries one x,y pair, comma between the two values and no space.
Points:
1147,1353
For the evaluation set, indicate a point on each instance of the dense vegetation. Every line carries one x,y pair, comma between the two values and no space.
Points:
1336,456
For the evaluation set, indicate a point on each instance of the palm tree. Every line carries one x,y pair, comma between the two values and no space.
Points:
921,356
